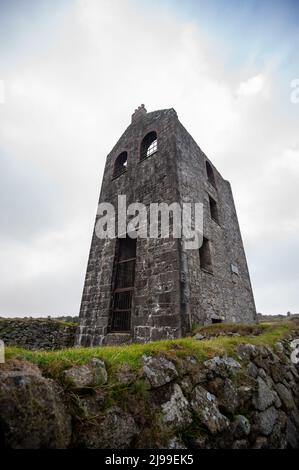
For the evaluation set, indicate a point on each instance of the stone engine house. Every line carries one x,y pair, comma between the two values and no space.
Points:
147,289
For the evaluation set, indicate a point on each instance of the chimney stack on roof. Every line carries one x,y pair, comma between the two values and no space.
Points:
140,111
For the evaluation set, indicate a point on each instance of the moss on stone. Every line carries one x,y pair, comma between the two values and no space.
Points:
54,362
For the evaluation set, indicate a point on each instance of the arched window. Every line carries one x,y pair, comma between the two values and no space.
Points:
149,145
120,165
210,174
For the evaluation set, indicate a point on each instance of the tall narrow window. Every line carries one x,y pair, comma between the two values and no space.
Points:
213,209
120,164
149,145
210,174
123,284
205,257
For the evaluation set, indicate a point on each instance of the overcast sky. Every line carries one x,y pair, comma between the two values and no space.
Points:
73,71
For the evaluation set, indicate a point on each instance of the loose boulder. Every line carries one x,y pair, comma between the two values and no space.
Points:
158,370
223,366
32,413
205,405
92,374
114,430
176,411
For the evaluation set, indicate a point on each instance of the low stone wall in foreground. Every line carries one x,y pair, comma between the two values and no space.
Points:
37,333
248,398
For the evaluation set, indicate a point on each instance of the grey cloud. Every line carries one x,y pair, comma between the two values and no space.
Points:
70,92
29,200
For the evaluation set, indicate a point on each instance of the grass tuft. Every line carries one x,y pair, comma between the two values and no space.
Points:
54,362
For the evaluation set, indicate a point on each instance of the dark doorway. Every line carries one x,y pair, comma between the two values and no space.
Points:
123,284
216,320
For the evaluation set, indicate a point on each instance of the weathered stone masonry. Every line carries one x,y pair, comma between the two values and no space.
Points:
171,289
37,333
247,402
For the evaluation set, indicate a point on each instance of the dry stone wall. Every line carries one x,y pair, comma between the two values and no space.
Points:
37,333
250,401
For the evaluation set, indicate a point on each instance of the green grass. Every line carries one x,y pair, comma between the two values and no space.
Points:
9,321
54,362
64,322
224,328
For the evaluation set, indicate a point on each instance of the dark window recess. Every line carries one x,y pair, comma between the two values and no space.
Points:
125,274
126,248
205,256
165,298
120,165
210,174
213,209
217,320
149,145
123,284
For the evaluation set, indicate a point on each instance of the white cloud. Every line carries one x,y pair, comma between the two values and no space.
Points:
252,86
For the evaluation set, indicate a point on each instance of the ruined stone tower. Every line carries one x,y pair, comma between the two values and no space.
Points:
148,289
